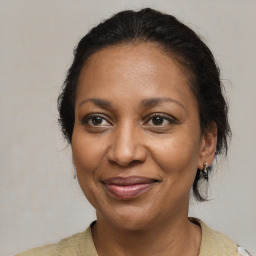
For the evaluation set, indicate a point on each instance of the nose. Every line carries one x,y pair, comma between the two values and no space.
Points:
126,147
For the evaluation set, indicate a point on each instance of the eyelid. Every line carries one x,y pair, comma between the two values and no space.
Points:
168,117
86,118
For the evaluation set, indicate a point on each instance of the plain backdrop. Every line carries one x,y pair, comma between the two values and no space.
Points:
40,201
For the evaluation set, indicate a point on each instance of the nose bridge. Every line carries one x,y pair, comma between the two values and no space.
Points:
126,146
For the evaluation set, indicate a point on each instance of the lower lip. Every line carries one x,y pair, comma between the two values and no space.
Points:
130,191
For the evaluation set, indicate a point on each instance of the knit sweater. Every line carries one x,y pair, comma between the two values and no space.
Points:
213,243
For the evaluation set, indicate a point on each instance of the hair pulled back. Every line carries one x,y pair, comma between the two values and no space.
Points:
174,38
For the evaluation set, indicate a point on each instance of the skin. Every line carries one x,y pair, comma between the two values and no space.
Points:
127,142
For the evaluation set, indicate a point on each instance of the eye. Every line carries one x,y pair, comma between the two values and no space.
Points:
160,119
95,120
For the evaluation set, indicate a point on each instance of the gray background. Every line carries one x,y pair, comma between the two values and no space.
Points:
40,202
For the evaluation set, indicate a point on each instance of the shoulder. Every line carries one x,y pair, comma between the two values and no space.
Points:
76,245
216,243
67,245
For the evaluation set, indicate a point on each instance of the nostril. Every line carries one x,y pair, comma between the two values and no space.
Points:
123,162
135,162
126,157
127,164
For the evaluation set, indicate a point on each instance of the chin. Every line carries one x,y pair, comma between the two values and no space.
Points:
130,218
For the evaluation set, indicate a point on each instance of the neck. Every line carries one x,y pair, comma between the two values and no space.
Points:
177,237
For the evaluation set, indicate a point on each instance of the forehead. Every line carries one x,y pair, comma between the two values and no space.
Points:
145,55
142,68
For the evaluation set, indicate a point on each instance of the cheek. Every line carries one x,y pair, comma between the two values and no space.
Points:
177,156
87,152
178,165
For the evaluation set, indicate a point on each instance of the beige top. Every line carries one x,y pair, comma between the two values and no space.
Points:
213,243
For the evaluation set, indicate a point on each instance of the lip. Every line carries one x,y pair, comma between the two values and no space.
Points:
128,187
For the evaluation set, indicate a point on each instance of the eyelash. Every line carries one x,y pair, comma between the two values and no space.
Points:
169,118
88,118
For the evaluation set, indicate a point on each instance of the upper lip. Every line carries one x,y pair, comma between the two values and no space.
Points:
126,181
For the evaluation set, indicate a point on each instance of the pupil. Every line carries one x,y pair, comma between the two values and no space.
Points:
157,120
96,120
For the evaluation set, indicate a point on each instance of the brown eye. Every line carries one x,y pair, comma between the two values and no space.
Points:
160,119
97,120
157,120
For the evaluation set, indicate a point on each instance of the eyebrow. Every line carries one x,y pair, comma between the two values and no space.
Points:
97,102
156,101
151,102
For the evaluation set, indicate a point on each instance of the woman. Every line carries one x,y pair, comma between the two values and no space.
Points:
143,110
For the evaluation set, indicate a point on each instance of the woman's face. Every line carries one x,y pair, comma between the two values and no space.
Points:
136,141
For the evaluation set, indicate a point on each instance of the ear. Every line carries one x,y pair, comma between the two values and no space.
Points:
208,145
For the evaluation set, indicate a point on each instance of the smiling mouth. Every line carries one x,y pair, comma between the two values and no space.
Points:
128,187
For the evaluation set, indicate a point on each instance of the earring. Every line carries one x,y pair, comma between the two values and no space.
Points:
74,175
205,171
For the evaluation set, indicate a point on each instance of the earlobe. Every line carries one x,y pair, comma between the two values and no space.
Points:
208,146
